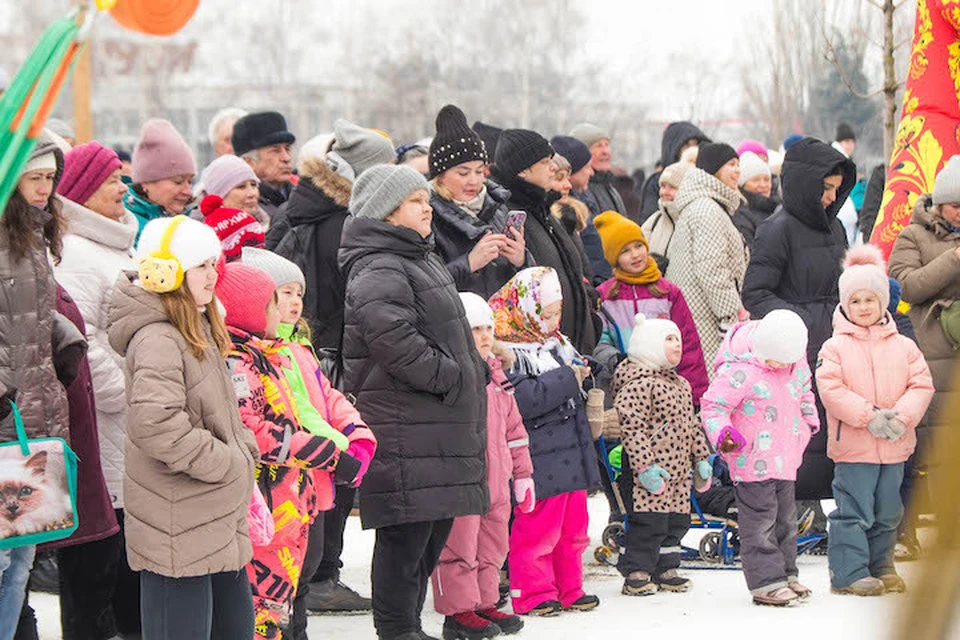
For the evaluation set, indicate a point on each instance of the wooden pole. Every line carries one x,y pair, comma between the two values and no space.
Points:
82,118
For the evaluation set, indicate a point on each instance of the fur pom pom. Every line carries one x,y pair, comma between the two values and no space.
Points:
866,254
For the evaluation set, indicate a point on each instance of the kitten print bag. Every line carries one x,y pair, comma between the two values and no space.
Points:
38,489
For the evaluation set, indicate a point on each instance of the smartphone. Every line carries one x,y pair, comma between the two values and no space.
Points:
515,221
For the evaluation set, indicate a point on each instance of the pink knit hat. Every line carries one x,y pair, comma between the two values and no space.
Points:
85,168
754,146
864,269
245,292
161,153
224,173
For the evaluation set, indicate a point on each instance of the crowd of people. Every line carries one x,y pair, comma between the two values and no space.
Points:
443,331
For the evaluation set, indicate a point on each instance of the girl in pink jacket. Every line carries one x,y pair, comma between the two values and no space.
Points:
759,413
467,579
875,386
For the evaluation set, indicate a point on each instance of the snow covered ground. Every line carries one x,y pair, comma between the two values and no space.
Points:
718,604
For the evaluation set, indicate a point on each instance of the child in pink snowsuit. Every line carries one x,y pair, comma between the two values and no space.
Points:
759,413
547,543
467,579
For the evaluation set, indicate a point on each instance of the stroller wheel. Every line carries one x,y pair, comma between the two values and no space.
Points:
613,535
605,555
710,547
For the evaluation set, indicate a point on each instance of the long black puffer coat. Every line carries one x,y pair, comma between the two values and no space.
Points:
410,359
551,246
796,264
674,137
750,215
456,232
315,213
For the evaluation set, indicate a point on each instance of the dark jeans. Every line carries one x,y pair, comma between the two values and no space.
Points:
334,521
404,556
99,593
653,542
863,528
311,560
767,522
212,607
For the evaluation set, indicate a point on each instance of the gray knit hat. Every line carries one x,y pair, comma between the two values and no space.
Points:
360,148
588,133
280,270
382,188
946,188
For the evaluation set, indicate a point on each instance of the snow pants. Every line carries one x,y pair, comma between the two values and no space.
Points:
653,542
767,522
468,575
546,551
863,528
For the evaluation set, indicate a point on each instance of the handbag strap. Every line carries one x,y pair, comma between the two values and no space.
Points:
21,433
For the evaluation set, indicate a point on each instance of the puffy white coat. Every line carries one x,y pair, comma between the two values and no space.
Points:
95,250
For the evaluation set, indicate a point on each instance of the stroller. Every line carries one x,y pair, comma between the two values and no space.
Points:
719,547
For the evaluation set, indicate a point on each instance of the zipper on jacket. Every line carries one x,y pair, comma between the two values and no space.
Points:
839,427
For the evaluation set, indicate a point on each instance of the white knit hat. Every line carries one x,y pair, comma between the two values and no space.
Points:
780,336
479,313
647,341
946,188
280,270
193,242
751,166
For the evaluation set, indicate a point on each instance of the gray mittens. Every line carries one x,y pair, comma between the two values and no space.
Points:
885,424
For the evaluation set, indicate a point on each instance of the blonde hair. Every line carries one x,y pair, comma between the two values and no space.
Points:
583,213
182,313
441,189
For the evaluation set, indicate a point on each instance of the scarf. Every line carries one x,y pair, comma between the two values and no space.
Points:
474,206
267,356
649,275
518,321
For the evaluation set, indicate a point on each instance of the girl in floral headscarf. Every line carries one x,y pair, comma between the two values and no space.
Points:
548,541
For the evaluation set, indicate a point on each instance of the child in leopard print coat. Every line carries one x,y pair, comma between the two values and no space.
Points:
663,441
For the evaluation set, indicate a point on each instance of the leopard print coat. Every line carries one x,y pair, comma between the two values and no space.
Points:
659,426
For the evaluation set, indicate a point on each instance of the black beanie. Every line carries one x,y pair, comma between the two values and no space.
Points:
713,155
490,136
519,149
575,151
455,142
844,132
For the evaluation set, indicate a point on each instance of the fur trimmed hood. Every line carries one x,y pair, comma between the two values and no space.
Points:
334,186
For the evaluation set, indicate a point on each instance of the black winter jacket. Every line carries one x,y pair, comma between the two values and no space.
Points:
315,212
551,246
749,216
796,264
456,232
561,446
410,359
867,217
606,194
674,137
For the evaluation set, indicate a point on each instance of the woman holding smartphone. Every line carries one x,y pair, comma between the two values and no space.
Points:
478,238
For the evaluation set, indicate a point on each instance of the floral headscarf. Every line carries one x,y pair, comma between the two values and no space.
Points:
518,317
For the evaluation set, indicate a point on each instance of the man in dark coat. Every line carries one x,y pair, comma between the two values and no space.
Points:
410,358
523,165
602,185
676,138
871,201
263,141
796,265
315,214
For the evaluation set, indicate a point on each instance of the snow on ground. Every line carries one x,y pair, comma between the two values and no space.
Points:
718,604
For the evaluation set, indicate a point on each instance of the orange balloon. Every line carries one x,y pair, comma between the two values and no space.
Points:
154,17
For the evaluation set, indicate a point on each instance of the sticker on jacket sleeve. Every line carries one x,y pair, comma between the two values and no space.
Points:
240,385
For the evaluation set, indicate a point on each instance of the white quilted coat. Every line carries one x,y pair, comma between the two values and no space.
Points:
95,250
708,257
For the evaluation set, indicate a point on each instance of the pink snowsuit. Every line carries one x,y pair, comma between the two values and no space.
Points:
468,575
772,410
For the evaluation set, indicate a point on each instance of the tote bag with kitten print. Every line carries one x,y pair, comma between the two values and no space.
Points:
38,489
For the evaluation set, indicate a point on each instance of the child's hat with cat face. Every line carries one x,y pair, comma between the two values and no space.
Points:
169,247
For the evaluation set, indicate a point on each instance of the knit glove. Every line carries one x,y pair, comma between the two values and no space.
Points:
347,471
879,426
525,494
611,425
703,476
652,479
897,428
